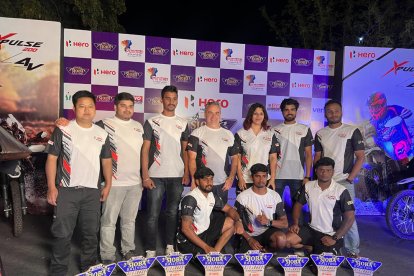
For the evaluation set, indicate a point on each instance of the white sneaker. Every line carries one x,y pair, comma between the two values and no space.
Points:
169,249
151,254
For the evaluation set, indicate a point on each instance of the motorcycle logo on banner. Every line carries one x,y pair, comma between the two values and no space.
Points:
214,263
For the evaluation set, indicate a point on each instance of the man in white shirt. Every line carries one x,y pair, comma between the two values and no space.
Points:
164,168
295,158
201,229
212,146
262,211
342,142
75,153
331,209
125,137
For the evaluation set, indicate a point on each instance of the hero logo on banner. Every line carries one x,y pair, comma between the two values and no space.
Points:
207,80
183,52
104,72
77,43
279,60
301,85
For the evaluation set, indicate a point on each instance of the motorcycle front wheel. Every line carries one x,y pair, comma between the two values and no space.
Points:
400,214
17,208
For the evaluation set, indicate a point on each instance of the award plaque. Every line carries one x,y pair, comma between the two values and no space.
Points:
253,262
100,269
136,266
292,264
363,266
214,263
327,263
175,263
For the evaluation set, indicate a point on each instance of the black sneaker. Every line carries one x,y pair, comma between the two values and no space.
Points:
128,255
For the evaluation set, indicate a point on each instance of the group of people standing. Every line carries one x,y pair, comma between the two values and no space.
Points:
110,162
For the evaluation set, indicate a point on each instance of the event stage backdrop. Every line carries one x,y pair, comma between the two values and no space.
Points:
378,96
236,75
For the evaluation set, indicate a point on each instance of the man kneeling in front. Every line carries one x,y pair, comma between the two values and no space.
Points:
207,224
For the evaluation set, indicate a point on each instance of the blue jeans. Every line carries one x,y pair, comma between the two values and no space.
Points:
173,188
294,186
351,239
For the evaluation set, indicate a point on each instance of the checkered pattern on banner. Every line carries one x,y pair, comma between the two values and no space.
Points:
236,75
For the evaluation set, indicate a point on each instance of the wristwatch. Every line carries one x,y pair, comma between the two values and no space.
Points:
269,224
334,237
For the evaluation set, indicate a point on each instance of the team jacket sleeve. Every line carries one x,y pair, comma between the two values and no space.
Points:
148,131
308,139
100,124
106,149
346,202
234,149
275,147
318,146
192,143
237,141
357,140
54,145
185,134
188,205
301,195
219,205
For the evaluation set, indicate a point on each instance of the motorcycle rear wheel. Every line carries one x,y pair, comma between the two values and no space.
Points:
400,214
16,208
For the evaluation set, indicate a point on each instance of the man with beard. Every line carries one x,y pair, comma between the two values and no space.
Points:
201,230
342,142
164,168
125,136
263,213
295,159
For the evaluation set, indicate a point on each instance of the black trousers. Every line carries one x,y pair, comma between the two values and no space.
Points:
75,206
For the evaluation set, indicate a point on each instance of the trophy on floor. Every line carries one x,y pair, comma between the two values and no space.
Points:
214,263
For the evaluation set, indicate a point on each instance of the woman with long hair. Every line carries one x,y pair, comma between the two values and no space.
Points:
258,144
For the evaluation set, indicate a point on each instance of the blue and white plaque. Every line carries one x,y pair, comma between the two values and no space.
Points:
292,264
99,270
254,262
363,266
214,263
175,263
327,263
136,266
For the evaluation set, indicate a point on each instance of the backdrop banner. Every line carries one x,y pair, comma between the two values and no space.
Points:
235,75
378,97
30,89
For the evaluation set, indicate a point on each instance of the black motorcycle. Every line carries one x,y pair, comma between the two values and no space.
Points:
14,161
400,208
